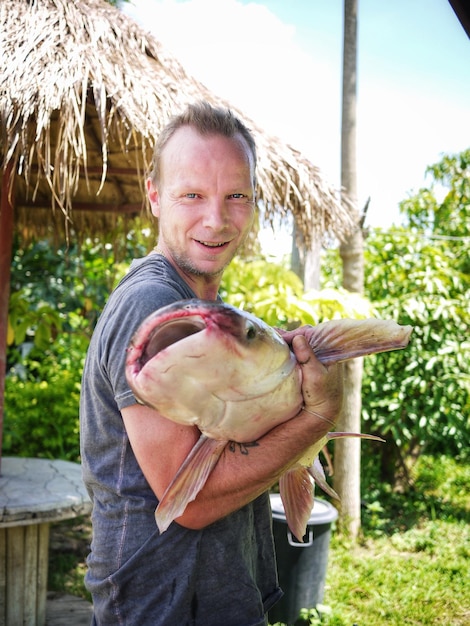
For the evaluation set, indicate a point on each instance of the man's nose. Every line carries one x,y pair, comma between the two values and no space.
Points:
216,215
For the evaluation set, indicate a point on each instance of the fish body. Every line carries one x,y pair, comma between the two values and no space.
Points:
208,364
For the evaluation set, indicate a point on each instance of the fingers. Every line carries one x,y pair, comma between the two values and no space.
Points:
322,387
303,351
289,335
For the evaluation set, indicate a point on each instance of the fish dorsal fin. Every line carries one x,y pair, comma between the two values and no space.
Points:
189,480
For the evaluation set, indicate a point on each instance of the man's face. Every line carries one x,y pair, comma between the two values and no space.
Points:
204,200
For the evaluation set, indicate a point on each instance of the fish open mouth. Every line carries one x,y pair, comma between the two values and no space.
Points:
180,320
168,333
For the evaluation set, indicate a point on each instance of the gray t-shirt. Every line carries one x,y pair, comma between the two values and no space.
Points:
222,574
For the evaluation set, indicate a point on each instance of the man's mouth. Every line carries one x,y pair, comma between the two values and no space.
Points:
209,244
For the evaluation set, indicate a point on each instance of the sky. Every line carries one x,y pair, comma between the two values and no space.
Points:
280,63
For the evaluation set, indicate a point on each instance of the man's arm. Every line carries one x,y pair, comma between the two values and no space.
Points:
161,446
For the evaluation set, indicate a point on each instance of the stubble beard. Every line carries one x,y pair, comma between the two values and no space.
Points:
186,264
188,267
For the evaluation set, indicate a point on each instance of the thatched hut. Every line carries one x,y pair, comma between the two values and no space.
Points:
84,91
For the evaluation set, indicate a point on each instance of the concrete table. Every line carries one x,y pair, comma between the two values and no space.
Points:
33,493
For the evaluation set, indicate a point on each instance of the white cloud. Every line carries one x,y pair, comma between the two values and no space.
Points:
246,55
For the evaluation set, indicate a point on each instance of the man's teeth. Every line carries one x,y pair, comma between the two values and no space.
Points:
213,245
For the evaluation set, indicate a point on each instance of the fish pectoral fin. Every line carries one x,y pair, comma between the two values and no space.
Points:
297,494
189,480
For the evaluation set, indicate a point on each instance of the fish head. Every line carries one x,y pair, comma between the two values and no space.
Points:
209,364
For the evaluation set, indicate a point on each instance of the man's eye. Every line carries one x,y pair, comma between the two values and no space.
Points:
191,195
237,196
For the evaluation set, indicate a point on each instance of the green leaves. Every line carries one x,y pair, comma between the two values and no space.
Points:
276,295
56,297
42,392
34,322
420,276
443,208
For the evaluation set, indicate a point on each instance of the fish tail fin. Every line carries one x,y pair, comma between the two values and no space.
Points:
188,481
297,494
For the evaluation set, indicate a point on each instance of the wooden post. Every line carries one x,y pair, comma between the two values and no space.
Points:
24,570
6,241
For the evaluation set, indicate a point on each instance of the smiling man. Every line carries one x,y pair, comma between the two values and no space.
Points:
215,563
202,193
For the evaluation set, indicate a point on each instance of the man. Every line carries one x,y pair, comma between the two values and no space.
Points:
215,564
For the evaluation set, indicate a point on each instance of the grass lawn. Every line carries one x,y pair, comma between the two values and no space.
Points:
420,576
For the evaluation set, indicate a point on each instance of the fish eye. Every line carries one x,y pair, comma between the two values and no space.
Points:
250,330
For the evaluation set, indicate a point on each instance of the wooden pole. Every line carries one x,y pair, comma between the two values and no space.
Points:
6,243
347,458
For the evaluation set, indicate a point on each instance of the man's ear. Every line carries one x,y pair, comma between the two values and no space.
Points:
154,197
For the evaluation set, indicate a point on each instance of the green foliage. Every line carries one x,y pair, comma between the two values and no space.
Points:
36,321
318,616
414,546
42,395
415,577
69,547
276,295
267,290
438,490
419,397
424,210
57,295
74,278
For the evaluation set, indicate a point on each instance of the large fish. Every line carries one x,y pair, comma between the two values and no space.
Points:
209,364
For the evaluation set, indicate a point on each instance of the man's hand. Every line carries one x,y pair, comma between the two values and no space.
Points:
322,386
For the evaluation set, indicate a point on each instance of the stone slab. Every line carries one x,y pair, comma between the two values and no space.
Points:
34,491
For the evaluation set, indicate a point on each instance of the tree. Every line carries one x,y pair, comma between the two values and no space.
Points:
418,399
347,451
448,217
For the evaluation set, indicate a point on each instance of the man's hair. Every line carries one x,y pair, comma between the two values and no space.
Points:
207,120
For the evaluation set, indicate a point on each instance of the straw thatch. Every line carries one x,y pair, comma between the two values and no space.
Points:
84,91
462,11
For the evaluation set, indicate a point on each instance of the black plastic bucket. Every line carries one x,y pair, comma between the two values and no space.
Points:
301,567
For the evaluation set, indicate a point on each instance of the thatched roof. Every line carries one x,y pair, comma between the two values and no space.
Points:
462,11
84,91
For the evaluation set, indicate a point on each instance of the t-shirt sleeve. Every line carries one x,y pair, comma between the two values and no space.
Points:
125,314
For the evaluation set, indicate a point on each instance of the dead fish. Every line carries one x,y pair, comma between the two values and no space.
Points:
211,365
